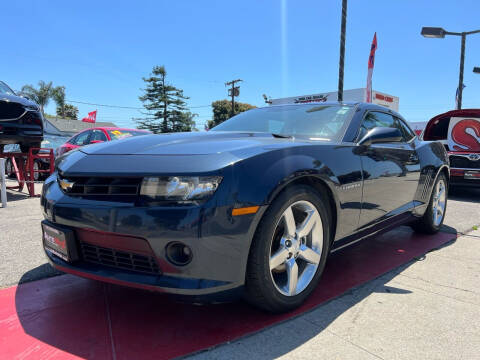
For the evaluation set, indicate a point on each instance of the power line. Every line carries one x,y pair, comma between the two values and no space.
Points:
105,105
125,107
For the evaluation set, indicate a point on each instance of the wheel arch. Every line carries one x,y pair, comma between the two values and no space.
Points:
320,185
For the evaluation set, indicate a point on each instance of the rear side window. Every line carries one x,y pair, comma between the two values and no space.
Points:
438,130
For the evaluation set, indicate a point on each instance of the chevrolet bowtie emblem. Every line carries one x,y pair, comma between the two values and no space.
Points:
66,185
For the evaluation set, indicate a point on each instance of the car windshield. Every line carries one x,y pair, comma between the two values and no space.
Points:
4,89
122,134
324,122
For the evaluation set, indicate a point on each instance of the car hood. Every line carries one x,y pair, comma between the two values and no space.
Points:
192,143
17,99
196,152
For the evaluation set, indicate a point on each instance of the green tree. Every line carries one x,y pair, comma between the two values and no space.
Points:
68,112
166,106
58,95
222,110
42,95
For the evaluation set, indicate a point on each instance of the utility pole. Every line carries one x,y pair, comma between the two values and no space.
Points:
233,91
343,28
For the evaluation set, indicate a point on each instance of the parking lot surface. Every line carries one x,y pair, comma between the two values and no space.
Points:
427,308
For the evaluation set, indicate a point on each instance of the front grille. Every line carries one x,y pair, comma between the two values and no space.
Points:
10,110
119,259
103,188
463,162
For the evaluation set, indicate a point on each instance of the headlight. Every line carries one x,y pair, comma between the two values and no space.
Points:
179,188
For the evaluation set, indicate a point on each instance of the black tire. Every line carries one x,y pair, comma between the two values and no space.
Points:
426,224
260,289
25,148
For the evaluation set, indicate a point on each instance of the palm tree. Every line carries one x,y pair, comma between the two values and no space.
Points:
58,95
42,95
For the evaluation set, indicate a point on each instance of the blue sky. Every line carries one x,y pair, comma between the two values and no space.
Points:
100,50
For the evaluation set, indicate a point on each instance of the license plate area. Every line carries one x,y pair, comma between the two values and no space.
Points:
60,241
472,175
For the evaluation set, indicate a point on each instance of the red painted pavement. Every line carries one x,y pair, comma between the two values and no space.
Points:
67,317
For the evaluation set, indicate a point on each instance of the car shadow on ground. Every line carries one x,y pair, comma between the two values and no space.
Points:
40,272
89,319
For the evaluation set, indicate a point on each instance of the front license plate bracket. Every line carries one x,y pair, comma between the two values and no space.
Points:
60,241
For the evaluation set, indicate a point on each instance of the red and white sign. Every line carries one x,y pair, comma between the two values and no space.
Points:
91,118
464,134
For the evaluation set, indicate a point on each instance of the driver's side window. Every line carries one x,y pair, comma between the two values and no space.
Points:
375,119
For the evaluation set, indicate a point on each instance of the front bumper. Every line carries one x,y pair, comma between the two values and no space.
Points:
15,133
219,242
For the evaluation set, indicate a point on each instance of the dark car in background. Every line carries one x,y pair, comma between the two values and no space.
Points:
464,157
253,206
21,121
97,135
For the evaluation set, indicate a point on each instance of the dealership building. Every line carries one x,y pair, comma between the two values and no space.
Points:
357,95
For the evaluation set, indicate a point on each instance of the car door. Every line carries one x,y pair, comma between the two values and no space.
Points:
391,171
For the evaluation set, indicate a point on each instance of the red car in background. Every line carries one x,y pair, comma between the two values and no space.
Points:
465,156
97,135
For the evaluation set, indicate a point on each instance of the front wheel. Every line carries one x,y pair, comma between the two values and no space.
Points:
289,250
433,218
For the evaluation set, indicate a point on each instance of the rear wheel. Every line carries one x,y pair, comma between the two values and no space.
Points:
289,250
433,218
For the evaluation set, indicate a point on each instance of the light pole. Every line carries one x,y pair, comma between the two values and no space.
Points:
439,33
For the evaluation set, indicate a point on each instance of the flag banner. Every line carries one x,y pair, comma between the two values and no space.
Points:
371,63
464,134
91,118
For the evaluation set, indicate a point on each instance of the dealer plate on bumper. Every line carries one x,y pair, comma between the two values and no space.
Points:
474,175
60,241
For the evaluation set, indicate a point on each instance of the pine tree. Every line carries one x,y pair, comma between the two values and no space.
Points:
166,106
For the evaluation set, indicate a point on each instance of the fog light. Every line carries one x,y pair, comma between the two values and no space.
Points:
178,253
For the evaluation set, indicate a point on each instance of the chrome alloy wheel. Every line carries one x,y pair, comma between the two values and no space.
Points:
296,248
439,202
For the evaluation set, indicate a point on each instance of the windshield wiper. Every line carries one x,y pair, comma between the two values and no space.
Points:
281,136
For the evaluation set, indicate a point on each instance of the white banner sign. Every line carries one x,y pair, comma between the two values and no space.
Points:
464,134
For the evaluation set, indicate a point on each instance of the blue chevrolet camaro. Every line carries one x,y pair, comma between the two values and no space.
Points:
252,207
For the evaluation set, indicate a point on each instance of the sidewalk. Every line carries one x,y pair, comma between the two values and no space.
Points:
426,309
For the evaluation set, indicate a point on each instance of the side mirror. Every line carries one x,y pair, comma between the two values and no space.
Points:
96,141
381,135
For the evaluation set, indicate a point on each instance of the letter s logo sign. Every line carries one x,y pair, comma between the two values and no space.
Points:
467,133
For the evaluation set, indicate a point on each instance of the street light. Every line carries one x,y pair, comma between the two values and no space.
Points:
476,70
439,33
